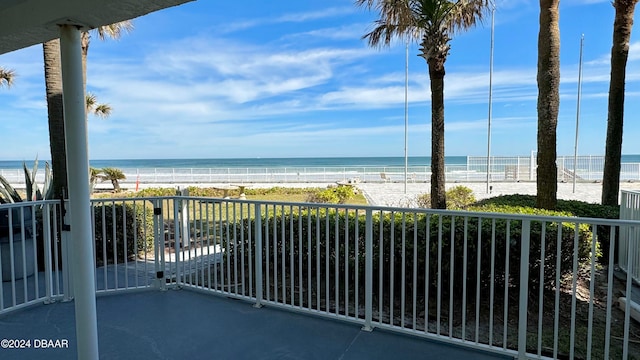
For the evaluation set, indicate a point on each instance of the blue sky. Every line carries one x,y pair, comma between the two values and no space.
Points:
248,78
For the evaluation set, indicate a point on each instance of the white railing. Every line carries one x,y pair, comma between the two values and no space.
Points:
519,285
516,168
356,264
629,251
523,168
31,255
128,249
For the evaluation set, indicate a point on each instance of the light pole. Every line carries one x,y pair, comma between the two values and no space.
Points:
406,115
493,11
575,148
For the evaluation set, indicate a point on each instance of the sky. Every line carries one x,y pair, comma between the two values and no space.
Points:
253,78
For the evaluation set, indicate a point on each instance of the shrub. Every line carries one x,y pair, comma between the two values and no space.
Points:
424,201
332,195
319,236
278,190
344,193
156,192
458,198
568,232
326,196
574,207
138,221
568,207
203,192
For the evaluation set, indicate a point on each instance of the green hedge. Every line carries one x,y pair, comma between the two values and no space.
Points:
387,245
569,207
139,229
332,195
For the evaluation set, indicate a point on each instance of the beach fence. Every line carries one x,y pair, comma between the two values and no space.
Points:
502,168
523,168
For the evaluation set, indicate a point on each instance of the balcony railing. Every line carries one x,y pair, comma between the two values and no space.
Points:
629,251
526,286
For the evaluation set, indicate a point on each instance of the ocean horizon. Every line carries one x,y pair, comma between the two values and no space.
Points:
377,161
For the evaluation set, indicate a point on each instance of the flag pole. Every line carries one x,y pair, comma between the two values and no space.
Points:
406,115
575,148
493,11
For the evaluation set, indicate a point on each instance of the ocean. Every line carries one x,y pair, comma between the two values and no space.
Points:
254,162
273,162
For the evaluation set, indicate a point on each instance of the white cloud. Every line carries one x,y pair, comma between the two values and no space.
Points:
288,18
345,32
605,59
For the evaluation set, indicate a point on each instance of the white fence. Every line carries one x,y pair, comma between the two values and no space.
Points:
523,168
629,250
519,285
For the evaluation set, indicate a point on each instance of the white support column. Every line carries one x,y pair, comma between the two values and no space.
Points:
78,175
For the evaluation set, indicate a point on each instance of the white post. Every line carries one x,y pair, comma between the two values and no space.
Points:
258,255
46,225
368,269
532,167
78,176
524,289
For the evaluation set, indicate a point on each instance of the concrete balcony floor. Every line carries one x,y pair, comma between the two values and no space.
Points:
184,324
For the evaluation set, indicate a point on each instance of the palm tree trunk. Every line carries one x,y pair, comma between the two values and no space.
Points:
53,82
436,75
619,53
548,103
85,37
116,185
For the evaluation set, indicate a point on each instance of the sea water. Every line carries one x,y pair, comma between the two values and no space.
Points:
270,162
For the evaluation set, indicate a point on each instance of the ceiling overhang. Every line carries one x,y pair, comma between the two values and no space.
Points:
29,22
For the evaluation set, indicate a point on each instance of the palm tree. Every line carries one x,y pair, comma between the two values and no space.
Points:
53,85
6,77
112,31
619,53
432,23
113,175
102,111
53,82
94,175
548,103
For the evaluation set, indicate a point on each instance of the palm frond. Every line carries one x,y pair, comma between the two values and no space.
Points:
114,31
90,101
397,20
467,13
113,174
6,77
420,19
102,111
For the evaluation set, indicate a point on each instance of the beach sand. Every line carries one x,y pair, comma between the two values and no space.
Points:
392,193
